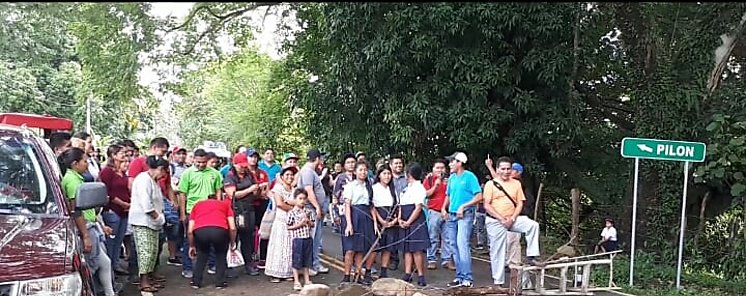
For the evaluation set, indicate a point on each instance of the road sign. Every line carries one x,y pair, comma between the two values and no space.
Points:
687,152
663,150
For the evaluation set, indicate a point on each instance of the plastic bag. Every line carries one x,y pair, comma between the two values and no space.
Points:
234,258
265,228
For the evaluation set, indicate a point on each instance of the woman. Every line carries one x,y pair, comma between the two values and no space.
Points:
358,224
414,233
114,176
279,250
384,201
211,227
73,164
147,219
242,188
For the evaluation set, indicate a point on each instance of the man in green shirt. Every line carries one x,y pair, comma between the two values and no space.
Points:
197,183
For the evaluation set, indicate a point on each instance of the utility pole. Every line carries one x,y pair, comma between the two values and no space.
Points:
88,114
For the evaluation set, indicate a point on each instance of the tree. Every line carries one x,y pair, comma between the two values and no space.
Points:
239,100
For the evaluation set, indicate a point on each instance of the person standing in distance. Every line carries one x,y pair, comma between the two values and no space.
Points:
463,193
311,182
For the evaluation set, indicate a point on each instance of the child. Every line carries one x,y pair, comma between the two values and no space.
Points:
413,225
300,223
608,241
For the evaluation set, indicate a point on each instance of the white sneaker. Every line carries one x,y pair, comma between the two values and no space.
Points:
322,269
312,272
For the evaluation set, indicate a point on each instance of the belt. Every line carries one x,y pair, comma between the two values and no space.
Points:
465,211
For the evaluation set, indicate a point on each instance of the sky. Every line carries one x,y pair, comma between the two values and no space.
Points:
266,40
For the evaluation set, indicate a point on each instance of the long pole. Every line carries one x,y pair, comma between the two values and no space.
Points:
634,224
683,226
88,114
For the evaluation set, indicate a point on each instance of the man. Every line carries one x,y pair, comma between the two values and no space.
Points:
463,193
503,203
399,180
158,147
178,163
269,166
196,184
436,184
59,142
311,181
174,231
94,168
131,149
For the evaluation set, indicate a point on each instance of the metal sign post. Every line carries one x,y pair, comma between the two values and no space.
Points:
634,224
683,226
661,150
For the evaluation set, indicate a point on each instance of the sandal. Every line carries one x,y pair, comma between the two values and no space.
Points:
274,280
157,285
150,289
297,286
158,278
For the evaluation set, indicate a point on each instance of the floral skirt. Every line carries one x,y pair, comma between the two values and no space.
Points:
279,250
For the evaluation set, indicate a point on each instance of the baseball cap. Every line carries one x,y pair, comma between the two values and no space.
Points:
251,152
241,160
360,153
315,153
178,149
460,156
290,155
517,167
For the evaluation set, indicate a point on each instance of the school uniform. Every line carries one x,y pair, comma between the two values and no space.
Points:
357,193
416,237
384,202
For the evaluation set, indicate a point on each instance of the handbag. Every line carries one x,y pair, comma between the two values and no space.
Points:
234,258
265,228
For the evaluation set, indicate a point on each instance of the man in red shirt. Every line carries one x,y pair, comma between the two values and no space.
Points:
158,147
436,184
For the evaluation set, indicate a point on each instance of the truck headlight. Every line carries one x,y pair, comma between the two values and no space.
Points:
66,285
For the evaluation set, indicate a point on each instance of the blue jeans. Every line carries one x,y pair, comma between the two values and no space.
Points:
460,232
186,261
317,239
119,228
480,231
437,228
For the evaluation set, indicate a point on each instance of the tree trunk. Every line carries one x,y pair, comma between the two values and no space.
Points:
575,233
701,227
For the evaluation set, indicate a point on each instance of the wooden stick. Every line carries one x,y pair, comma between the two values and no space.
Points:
538,198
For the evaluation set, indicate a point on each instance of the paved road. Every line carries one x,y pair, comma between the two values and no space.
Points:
260,285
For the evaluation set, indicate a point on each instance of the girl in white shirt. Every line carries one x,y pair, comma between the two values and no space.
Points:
384,201
358,224
414,233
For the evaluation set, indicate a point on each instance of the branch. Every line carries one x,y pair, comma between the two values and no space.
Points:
594,101
189,17
721,64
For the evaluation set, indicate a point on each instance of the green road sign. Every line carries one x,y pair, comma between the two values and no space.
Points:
663,150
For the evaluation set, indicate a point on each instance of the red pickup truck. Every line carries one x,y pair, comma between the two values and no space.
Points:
40,253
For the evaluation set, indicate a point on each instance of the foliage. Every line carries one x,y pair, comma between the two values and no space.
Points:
240,100
652,277
55,56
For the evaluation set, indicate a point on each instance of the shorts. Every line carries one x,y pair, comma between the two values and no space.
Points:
173,232
302,252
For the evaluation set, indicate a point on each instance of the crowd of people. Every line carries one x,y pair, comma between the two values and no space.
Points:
273,214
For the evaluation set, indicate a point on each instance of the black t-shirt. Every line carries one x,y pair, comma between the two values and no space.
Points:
231,180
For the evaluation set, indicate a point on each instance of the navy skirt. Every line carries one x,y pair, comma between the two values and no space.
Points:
390,237
415,237
362,227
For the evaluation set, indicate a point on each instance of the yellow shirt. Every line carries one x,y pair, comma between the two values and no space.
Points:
497,198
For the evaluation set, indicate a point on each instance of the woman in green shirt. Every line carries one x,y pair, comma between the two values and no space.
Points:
73,163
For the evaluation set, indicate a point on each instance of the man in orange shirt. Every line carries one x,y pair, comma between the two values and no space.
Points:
503,201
